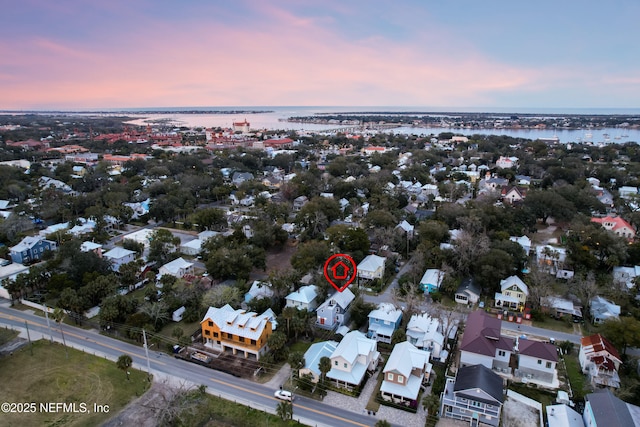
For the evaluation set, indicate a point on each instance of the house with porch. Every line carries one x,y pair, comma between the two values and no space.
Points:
602,310
371,267
483,344
406,370
383,322
353,357
426,333
119,256
312,358
513,295
335,310
474,396
304,298
227,329
600,361
468,292
178,268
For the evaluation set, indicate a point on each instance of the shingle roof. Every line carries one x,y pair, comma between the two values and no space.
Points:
482,335
538,349
599,343
609,410
514,280
472,378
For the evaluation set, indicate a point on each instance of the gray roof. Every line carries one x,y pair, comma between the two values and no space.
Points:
470,285
471,378
609,410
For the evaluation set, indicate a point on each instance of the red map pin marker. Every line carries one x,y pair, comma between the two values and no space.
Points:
340,270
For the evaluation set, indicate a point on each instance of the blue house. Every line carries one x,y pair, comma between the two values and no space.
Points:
431,280
31,248
383,322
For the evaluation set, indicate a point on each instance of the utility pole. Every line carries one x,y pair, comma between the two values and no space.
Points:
146,351
29,337
46,315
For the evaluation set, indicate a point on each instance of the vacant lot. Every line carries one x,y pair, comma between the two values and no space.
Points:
48,376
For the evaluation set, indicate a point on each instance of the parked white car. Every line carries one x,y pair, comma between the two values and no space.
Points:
284,395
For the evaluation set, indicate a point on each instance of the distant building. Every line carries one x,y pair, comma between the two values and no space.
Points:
30,249
616,225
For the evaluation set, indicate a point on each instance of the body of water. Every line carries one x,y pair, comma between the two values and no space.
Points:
274,118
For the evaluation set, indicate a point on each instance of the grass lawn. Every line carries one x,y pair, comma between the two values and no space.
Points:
48,376
7,335
554,325
576,377
301,346
187,328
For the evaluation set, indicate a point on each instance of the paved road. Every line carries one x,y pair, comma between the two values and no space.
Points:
541,332
308,411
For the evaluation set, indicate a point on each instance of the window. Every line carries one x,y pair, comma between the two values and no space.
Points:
253,342
210,323
207,332
400,379
215,334
501,353
548,365
336,363
230,336
390,376
241,339
345,365
539,362
476,404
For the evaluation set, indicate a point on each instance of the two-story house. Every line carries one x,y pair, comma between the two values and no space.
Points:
475,396
600,360
383,322
406,370
30,249
431,280
513,295
304,298
355,355
482,343
299,202
335,310
616,225
119,256
371,267
226,329
178,268
426,333
537,362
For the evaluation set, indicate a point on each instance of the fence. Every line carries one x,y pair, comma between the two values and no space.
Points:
527,401
36,306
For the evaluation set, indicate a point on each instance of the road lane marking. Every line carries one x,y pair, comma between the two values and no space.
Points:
295,404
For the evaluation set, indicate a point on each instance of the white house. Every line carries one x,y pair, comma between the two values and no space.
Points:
426,333
10,272
537,363
355,355
523,241
119,256
626,275
600,360
602,310
179,267
192,247
483,344
468,292
372,267
335,310
258,290
404,373
507,162
304,298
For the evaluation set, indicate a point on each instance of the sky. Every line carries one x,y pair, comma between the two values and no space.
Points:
86,54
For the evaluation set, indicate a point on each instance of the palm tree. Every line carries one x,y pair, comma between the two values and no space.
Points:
432,403
324,366
285,410
58,315
124,362
382,423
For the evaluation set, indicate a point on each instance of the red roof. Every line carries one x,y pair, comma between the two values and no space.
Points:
616,220
600,343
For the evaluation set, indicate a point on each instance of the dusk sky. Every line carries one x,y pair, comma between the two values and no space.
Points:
72,54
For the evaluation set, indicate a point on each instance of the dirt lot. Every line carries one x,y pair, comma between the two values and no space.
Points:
276,260
143,411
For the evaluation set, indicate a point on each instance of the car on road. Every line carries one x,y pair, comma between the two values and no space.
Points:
283,395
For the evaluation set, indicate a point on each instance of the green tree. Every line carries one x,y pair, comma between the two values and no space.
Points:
210,219
399,335
310,255
163,246
296,360
382,423
546,203
124,363
221,295
277,343
324,365
432,403
623,332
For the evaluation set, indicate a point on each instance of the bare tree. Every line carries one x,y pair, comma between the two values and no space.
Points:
585,288
449,318
540,285
411,301
469,247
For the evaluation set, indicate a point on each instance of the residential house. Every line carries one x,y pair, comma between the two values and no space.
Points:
626,276
335,310
523,241
513,195
312,358
537,363
475,396
561,415
304,298
602,309
226,329
482,343
179,267
119,256
96,248
258,290
431,280
299,202
355,355
627,192
383,322
600,360
523,180
560,307
9,273
192,247
406,227
30,249
406,370
604,409
240,177
507,162
550,258
426,334
468,292
371,267
514,293
617,225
